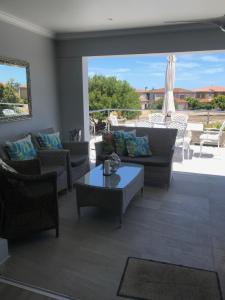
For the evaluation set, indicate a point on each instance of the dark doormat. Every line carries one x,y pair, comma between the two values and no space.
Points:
151,280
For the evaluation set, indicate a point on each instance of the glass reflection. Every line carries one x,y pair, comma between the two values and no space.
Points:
121,178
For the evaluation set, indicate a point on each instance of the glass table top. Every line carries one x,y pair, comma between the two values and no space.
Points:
120,179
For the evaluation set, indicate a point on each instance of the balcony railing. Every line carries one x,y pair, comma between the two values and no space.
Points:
209,118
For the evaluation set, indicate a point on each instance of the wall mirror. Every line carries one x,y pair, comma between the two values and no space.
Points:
15,90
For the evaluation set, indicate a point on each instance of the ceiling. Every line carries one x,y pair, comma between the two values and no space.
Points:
59,16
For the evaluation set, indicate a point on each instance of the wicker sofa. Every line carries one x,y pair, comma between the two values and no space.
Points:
158,167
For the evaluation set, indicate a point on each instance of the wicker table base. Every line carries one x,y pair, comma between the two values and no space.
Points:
114,192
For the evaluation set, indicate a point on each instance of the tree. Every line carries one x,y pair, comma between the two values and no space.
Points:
193,103
157,104
1,90
219,102
10,92
112,93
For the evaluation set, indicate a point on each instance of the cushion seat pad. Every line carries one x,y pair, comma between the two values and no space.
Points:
58,169
77,159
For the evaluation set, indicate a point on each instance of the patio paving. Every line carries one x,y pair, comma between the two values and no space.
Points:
212,161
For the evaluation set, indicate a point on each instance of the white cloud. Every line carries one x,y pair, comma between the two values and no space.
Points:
107,71
186,76
159,74
212,58
91,74
122,70
213,70
187,65
152,65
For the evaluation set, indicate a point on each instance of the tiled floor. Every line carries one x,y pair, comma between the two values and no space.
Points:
183,225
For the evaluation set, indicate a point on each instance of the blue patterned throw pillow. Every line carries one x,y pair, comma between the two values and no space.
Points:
120,137
50,141
138,146
22,149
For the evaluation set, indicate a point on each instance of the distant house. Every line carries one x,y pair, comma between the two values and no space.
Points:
147,97
23,92
144,97
181,104
209,92
204,95
179,93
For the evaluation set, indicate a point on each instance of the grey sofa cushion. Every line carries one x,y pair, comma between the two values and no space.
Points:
77,159
160,161
58,169
155,160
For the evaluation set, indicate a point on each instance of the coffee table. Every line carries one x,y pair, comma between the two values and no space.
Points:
113,192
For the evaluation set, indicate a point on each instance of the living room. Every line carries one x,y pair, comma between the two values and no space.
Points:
172,229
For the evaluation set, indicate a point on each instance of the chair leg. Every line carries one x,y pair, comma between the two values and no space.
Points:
201,145
188,151
57,231
183,152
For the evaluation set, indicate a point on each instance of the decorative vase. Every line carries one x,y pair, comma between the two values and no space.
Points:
114,162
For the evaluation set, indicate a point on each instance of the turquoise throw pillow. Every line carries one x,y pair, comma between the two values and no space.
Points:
50,141
138,146
120,140
22,149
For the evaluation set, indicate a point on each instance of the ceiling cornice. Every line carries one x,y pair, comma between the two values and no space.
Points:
132,31
11,19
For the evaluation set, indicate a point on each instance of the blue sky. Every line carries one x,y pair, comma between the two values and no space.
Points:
12,72
192,70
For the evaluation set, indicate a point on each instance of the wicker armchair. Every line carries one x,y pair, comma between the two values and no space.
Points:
28,200
54,161
76,155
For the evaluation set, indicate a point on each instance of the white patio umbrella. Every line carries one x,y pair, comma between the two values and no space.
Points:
168,103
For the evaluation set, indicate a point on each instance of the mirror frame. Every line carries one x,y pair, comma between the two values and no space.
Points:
19,63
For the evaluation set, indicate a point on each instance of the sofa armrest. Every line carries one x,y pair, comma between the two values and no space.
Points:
26,167
98,148
77,147
54,157
171,152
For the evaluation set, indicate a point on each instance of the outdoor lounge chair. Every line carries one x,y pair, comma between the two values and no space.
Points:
211,136
176,117
113,120
183,138
156,118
